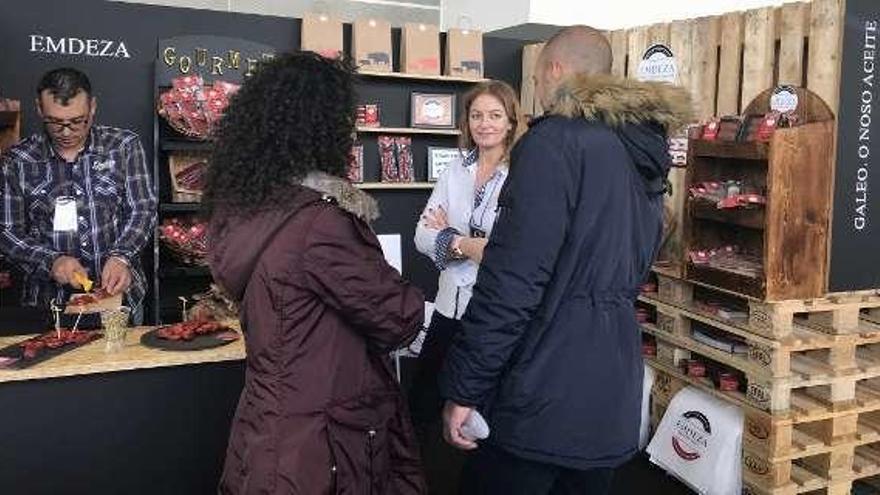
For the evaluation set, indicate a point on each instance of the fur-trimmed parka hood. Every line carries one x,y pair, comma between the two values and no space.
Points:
641,114
617,102
349,198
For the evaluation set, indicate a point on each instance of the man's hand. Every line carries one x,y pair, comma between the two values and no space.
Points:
453,417
63,269
116,276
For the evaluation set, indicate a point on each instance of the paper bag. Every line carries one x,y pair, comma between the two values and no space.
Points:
371,45
322,34
699,440
464,53
645,428
420,49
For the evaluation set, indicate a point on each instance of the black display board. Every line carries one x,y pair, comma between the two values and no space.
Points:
141,432
855,241
116,45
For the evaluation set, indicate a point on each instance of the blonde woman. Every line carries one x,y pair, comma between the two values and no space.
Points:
453,231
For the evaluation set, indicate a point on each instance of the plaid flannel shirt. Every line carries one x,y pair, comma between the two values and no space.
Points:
116,209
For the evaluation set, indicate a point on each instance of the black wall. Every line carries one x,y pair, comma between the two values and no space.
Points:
125,86
856,233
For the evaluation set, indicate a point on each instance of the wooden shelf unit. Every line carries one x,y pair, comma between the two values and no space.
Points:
409,130
395,185
180,207
790,233
422,77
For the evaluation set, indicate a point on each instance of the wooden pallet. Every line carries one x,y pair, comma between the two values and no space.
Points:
805,368
836,314
860,464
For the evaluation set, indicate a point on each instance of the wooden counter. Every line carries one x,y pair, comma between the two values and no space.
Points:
91,358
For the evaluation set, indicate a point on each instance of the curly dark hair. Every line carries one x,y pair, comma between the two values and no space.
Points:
294,115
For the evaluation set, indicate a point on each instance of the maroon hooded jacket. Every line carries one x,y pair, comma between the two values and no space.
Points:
321,411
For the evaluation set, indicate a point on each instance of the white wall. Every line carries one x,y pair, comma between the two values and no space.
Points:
616,14
489,15
486,15
396,11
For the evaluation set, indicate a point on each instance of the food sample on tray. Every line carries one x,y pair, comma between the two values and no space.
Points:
92,302
55,340
45,346
189,330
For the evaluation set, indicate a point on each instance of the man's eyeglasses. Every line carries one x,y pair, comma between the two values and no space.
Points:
74,125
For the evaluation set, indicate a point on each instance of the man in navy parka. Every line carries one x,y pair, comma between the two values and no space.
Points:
550,351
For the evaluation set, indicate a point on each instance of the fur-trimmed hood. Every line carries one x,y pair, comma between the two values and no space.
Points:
618,102
641,114
238,242
349,198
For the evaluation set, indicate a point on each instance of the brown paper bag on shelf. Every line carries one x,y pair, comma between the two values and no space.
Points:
420,49
464,53
371,45
322,34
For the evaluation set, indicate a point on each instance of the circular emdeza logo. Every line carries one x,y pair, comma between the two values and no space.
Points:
784,99
690,437
658,64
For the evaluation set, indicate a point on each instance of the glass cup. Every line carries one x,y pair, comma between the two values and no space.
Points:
115,323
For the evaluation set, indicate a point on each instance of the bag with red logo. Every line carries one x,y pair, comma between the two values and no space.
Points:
420,49
321,34
699,441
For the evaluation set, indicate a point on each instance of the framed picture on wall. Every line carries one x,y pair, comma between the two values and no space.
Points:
433,110
439,159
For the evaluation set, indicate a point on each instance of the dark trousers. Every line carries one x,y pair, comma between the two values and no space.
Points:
492,471
442,462
425,403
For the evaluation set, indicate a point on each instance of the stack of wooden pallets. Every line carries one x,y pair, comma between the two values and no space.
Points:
811,397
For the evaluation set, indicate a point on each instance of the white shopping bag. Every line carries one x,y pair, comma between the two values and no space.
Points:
699,441
645,429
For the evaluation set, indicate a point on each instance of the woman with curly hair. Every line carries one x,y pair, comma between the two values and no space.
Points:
291,242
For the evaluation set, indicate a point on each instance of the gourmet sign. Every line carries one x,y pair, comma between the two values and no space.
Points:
210,56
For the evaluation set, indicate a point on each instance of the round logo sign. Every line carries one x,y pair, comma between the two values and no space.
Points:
784,99
691,436
658,64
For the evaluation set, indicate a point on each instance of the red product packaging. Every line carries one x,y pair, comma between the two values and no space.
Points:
371,115
728,382
356,163
768,125
403,148
387,159
367,115
696,368
710,130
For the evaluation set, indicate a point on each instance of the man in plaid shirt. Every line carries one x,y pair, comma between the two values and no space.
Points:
77,199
